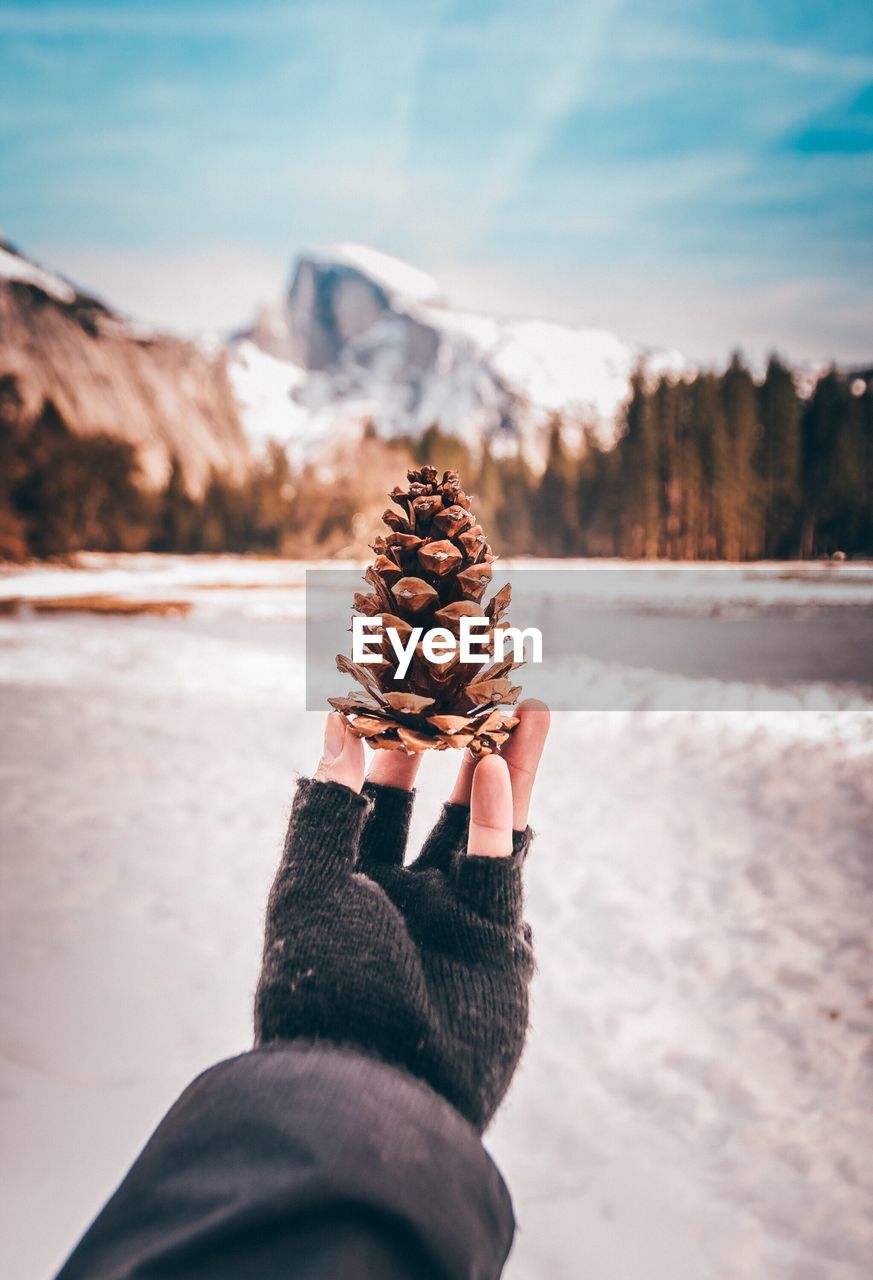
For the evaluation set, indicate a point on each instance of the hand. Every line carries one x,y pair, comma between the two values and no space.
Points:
424,966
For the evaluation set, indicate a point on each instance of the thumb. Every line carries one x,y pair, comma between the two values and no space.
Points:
342,756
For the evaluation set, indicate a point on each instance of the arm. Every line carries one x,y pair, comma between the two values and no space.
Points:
347,1142
304,1161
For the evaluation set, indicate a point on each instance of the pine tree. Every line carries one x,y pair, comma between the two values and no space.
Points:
514,515
555,530
640,468
270,499
689,476
865,415
780,458
113,511
178,518
50,494
715,460
13,529
833,468
599,505
442,450
741,486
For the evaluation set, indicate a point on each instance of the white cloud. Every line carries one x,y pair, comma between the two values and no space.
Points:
669,45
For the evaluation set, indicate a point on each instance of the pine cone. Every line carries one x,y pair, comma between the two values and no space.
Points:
432,569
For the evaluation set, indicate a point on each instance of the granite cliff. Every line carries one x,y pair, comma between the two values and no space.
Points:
103,373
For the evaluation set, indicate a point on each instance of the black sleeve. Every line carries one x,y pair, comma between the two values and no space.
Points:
304,1161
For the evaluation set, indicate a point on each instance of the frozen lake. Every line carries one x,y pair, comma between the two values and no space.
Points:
694,1102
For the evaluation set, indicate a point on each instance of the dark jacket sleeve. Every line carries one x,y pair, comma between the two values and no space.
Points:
304,1161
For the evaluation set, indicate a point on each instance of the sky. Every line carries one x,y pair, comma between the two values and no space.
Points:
696,175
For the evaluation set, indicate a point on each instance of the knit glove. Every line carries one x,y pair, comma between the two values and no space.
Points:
423,966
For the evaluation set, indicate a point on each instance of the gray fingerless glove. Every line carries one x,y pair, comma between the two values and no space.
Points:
426,967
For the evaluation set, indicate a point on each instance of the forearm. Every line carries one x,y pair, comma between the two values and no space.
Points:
304,1162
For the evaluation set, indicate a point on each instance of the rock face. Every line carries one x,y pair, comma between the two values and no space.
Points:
104,374
330,305
367,335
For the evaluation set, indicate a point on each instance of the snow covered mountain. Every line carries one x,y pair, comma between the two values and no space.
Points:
359,336
104,373
362,335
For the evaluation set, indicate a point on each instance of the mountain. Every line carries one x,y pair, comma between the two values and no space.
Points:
359,336
103,373
363,335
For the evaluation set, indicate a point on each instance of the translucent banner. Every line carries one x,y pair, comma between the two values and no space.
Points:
661,638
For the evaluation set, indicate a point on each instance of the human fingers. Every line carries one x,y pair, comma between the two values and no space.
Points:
488,877
342,756
390,779
522,754
394,769
490,834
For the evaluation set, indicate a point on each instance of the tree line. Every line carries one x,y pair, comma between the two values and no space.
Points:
724,467
718,466
712,467
62,492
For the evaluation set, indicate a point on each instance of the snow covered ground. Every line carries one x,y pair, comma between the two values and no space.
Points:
694,1100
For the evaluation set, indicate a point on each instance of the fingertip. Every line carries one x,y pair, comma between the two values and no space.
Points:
535,706
342,756
535,719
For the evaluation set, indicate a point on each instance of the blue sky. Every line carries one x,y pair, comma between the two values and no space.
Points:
697,174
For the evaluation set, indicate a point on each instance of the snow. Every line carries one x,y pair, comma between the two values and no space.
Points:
581,371
14,267
556,368
566,367
394,275
689,585
256,588
264,387
667,585
694,1098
